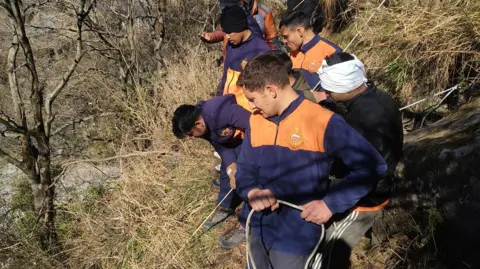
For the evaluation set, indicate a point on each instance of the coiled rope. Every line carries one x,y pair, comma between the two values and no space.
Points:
247,233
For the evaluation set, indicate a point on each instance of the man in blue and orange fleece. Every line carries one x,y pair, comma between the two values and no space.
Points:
286,154
222,122
307,49
243,44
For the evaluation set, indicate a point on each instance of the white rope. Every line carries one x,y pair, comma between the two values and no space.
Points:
426,98
247,232
198,229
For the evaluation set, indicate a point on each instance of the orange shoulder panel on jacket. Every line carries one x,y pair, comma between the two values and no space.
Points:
231,87
262,131
314,57
297,59
304,129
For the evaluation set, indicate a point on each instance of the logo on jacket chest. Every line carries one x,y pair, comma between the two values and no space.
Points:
312,66
295,139
225,132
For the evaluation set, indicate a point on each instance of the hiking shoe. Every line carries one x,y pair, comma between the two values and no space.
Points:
216,183
220,215
232,238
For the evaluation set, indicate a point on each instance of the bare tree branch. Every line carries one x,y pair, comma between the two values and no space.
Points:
51,28
135,154
35,5
13,83
13,160
10,124
76,121
80,52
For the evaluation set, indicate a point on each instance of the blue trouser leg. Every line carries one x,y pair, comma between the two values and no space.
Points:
224,188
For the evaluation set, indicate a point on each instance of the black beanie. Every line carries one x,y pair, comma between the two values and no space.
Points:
233,20
228,3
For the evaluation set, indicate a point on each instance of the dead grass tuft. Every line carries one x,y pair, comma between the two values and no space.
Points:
160,200
415,48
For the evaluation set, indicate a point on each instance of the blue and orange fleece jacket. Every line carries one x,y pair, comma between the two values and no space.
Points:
236,58
226,122
310,56
291,155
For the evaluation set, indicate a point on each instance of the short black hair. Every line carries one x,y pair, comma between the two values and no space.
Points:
184,119
296,19
338,57
284,58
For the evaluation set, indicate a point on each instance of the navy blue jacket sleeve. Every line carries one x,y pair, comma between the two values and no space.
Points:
227,154
365,165
247,170
235,116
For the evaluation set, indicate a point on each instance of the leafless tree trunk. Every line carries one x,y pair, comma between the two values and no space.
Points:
34,134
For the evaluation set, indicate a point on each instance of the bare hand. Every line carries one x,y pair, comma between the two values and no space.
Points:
231,170
316,212
261,199
206,37
319,96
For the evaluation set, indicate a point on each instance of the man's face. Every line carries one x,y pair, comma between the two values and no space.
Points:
198,130
338,97
261,102
292,38
234,38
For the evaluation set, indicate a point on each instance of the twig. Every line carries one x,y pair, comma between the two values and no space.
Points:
371,16
76,121
136,154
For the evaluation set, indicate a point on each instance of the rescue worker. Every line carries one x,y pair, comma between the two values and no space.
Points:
220,121
312,10
376,116
286,154
307,49
260,13
243,44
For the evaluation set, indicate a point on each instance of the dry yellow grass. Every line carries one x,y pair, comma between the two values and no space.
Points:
415,48
161,199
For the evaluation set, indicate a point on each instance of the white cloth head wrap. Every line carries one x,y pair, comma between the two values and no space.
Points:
342,77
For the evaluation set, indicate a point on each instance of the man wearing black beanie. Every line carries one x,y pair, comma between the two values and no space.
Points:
243,44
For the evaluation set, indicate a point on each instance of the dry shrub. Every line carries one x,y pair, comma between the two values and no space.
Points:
161,199
416,48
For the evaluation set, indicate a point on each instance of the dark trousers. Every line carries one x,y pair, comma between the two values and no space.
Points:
268,258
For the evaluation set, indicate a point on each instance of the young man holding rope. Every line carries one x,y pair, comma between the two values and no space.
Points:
286,154
376,116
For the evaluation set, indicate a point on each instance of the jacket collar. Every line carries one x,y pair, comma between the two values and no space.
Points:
289,110
310,44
